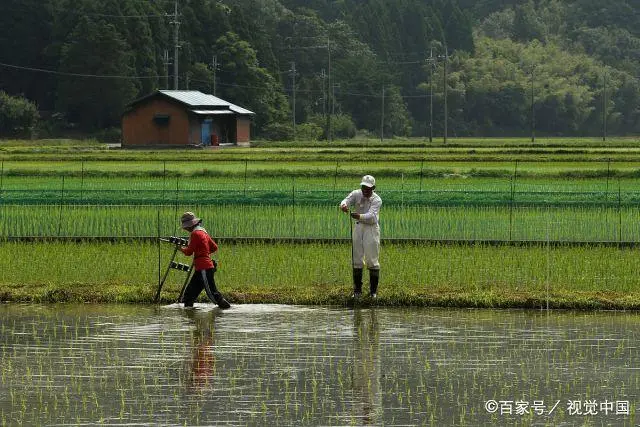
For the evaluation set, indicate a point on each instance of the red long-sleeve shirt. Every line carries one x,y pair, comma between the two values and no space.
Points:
200,246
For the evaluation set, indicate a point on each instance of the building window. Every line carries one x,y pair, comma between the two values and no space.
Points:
161,119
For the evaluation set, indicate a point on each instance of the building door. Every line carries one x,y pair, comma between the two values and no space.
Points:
206,132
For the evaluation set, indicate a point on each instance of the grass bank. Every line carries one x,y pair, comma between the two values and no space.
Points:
319,274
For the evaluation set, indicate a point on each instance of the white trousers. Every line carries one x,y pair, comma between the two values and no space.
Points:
366,246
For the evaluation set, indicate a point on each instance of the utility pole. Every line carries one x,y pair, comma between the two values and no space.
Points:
533,110
214,67
176,44
329,81
382,117
166,62
431,62
446,107
323,76
604,106
293,87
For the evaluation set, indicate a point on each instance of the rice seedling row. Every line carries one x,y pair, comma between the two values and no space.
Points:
570,224
385,166
291,191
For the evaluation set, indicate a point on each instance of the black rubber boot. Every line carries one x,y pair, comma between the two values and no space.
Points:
374,277
357,282
219,299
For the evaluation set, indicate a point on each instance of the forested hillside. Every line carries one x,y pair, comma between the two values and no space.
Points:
490,67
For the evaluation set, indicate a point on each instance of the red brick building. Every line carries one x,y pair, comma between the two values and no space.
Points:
181,118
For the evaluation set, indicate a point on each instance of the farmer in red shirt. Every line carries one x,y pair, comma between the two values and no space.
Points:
201,245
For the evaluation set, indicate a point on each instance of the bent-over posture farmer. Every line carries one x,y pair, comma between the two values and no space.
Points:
366,234
201,245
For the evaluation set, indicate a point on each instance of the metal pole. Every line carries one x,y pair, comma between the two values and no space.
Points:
513,190
61,203
604,107
176,201
246,165
164,179
402,190
511,212
323,76
158,243
329,82
446,94
382,117
335,179
608,174
333,195
214,64
293,202
165,62
176,45
548,260
619,212
81,180
431,66
333,103
533,114
2,178
293,114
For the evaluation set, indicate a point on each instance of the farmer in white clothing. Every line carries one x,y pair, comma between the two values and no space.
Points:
366,234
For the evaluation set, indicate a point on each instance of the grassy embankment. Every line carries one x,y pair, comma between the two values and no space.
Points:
416,275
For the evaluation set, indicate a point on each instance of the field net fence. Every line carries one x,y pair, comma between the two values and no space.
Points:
554,224
603,210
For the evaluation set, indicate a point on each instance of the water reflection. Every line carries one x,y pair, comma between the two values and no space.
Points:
288,365
202,363
367,393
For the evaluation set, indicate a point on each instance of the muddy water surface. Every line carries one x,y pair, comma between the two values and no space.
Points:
287,365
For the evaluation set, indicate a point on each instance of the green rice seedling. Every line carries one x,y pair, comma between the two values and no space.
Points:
415,274
567,224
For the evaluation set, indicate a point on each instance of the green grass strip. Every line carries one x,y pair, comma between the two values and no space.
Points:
320,274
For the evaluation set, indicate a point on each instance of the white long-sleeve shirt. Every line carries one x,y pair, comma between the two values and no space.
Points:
368,208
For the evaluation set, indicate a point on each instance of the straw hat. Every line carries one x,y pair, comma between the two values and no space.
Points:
189,219
368,181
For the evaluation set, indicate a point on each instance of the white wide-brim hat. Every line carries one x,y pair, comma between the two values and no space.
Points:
368,181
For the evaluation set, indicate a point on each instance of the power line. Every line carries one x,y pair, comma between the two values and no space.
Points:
61,73
28,9
111,76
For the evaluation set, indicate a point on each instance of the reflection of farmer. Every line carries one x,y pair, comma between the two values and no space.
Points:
367,393
203,361
366,234
201,245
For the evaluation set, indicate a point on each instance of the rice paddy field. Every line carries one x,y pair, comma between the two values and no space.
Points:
262,364
552,205
509,285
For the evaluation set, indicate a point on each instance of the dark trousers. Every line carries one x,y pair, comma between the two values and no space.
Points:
200,280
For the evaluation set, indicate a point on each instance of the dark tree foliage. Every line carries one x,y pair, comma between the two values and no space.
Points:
86,59
26,28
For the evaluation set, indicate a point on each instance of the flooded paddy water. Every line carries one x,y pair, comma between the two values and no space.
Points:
290,365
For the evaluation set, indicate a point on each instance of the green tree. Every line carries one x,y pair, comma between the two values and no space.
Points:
396,115
201,78
97,75
244,82
526,25
25,31
18,116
